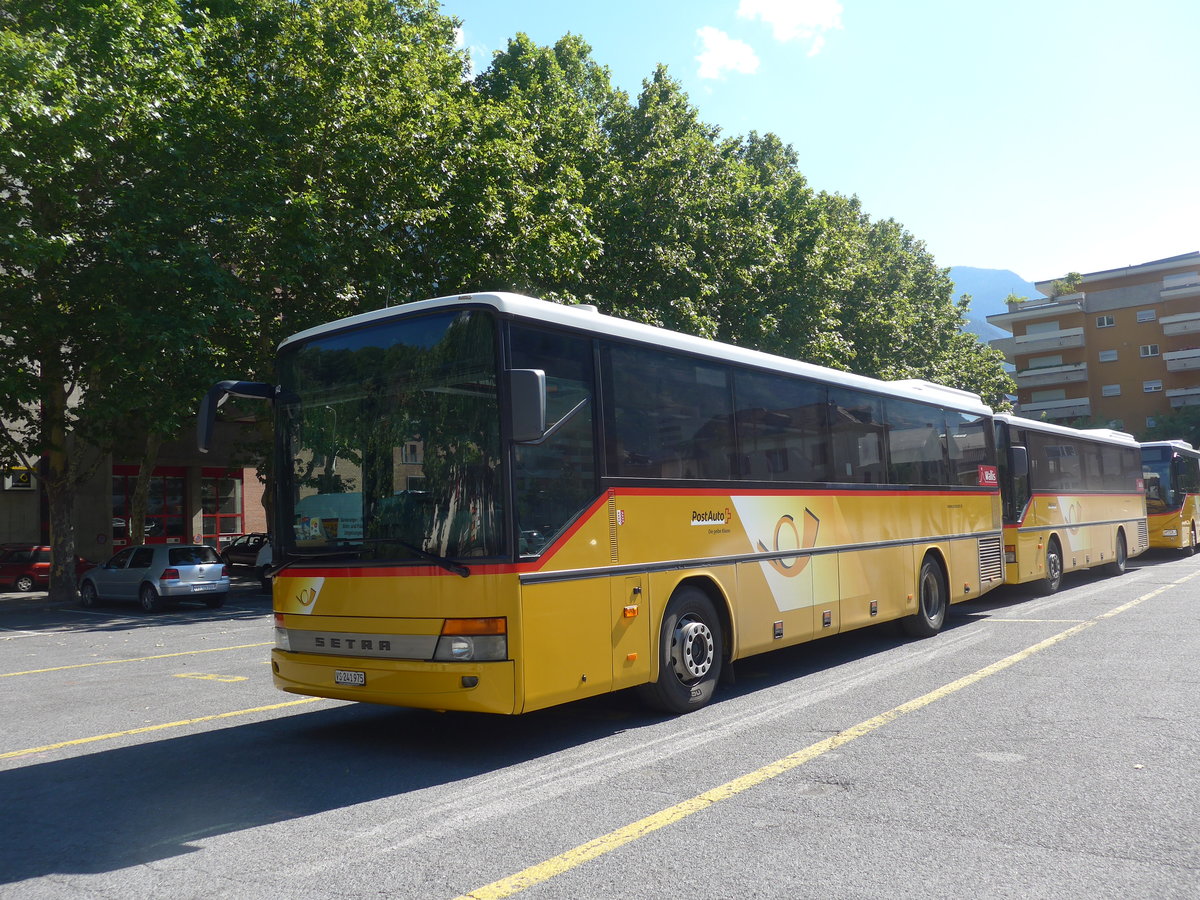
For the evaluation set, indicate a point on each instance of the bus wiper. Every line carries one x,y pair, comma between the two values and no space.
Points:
299,557
448,564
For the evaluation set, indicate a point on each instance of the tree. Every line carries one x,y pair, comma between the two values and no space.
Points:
84,147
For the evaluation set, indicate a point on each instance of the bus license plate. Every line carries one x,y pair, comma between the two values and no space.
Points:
341,676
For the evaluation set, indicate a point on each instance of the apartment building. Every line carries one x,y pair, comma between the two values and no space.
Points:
1122,347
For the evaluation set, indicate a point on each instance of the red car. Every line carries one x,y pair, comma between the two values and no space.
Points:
26,567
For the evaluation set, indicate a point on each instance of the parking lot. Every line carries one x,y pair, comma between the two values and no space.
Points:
1037,747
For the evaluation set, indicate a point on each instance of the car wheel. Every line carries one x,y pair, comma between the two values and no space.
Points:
932,602
215,601
24,583
1054,568
88,598
149,599
691,649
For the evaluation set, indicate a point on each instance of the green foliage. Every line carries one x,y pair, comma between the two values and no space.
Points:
1068,284
1182,424
185,182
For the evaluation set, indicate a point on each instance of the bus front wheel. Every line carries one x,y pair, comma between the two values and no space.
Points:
1189,548
691,644
1052,580
932,601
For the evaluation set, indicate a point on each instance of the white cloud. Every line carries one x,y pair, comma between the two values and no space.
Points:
723,54
796,20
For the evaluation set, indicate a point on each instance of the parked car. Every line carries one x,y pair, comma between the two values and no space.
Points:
150,574
26,567
251,550
245,550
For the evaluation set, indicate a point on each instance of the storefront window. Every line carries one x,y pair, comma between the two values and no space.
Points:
221,505
165,506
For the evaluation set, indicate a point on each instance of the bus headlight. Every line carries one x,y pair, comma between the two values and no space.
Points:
477,640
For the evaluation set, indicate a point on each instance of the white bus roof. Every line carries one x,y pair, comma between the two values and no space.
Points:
1106,435
588,318
1182,446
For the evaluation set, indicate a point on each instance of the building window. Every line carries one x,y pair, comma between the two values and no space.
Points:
1152,386
1110,390
1148,350
164,506
1108,356
1047,396
221,505
1146,315
1045,362
1105,321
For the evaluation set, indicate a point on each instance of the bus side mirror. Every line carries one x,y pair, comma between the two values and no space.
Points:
1020,461
527,389
218,394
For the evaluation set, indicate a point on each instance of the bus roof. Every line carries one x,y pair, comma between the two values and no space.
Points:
1181,446
1106,435
588,318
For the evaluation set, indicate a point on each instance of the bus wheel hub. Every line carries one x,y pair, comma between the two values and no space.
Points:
694,649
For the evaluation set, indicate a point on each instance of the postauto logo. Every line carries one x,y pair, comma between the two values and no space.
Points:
712,516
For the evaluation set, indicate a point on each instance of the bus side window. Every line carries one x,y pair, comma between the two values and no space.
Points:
856,425
555,480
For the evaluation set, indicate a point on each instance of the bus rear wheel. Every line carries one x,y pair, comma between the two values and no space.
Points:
691,648
1117,566
1052,580
932,602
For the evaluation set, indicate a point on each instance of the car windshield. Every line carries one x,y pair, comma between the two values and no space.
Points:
391,436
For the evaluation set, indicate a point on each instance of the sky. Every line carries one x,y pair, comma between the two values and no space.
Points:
1040,136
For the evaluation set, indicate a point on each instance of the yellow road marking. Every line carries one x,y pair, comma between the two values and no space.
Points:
113,662
593,849
146,729
228,679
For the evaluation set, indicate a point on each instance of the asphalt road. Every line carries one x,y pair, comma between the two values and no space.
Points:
1038,747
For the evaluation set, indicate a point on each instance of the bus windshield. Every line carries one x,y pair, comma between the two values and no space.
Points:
390,437
1156,471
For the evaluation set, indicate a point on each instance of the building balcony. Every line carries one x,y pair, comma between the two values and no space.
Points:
1047,340
1057,409
1005,345
1040,308
1182,360
1175,287
1067,374
1180,397
1184,323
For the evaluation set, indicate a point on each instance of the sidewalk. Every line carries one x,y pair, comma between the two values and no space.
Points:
239,585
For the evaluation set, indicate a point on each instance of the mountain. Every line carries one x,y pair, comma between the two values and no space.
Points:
988,288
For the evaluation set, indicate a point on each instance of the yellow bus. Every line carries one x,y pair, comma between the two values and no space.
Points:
493,503
1073,499
1171,470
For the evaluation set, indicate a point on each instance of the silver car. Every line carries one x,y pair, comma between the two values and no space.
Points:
150,574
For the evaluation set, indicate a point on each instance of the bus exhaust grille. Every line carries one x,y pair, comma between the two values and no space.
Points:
991,559
1143,534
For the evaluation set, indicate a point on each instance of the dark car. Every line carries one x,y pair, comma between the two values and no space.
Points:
245,550
148,574
26,567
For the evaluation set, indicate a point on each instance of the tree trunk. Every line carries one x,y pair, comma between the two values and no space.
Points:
141,489
59,484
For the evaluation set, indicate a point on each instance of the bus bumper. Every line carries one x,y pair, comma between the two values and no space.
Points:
468,687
